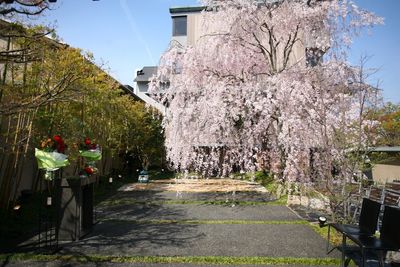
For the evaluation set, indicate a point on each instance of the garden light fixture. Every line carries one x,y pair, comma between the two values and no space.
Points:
17,210
321,221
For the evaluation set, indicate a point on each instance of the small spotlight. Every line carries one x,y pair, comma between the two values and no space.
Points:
137,170
119,176
321,221
110,180
17,210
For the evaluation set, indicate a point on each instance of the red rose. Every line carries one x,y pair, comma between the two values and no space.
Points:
57,139
87,141
88,170
61,147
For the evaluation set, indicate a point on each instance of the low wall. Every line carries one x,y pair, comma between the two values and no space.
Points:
386,172
313,203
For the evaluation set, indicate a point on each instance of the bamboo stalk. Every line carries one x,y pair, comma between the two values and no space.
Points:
18,162
24,155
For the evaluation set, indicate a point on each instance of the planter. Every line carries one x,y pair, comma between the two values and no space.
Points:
143,177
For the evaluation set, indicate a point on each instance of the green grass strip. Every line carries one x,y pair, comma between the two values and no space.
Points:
129,201
175,259
302,222
335,237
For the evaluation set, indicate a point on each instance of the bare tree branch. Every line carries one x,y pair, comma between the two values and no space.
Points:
23,7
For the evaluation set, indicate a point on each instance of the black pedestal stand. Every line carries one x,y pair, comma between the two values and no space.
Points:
95,221
48,217
76,204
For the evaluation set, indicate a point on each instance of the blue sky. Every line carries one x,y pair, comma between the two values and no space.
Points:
130,34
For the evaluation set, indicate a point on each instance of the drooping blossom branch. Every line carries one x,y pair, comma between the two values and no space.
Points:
265,87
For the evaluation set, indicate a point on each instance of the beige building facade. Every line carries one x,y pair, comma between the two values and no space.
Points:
187,30
186,24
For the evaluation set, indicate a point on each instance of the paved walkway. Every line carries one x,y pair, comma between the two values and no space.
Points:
155,223
142,229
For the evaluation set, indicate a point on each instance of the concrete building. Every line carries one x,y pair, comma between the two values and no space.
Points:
187,29
141,87
186,24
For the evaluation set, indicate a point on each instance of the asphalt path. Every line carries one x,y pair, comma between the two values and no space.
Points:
197,212
142,229
237,240
132,230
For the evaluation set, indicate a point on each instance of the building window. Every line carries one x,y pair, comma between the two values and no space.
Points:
179,26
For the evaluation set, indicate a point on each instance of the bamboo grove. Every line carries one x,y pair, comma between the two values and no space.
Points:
49,88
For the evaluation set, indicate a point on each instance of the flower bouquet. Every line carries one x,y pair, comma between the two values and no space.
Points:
87,171
91,152
50,156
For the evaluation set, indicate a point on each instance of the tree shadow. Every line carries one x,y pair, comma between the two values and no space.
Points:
133,229
125,238
120,231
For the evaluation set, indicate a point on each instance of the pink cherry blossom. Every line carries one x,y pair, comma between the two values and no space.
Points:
243,97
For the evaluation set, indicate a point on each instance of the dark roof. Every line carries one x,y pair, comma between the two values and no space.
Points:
186,9
145,74
129,90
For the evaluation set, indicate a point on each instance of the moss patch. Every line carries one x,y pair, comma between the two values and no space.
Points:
335,236
157,259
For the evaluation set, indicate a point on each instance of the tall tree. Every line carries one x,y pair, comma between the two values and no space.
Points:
267,86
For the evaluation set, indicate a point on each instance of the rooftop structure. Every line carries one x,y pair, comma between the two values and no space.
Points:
144,75
185,24
141,87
